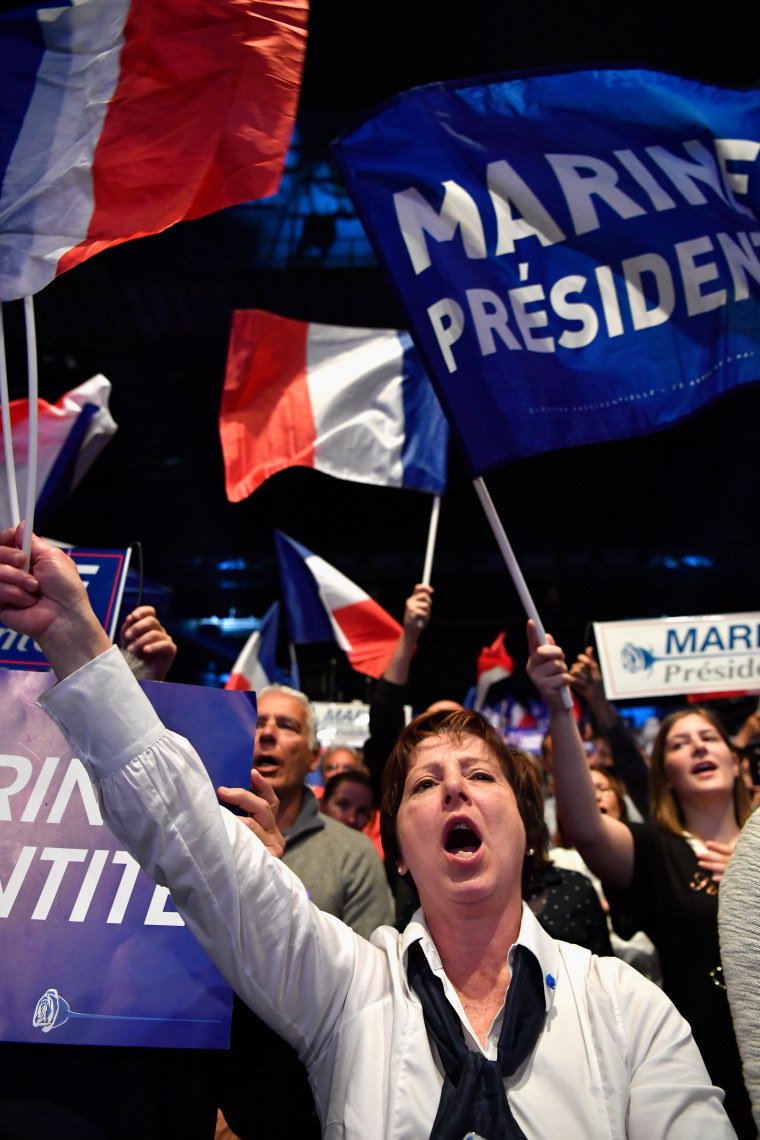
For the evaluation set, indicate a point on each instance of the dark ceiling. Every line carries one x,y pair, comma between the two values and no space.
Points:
638,528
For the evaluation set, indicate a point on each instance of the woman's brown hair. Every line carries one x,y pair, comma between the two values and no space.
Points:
518,769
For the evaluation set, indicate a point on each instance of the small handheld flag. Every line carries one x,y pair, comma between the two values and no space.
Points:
256,665
324,605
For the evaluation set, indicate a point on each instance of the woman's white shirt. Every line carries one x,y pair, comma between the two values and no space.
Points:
615,1058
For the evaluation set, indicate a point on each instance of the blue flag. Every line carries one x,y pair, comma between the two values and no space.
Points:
577,253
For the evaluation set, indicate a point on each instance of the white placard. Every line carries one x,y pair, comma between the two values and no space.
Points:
341,722
717,653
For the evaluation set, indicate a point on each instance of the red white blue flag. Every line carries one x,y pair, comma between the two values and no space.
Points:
350,402
119,118
494,664
324,605
256,665
71,434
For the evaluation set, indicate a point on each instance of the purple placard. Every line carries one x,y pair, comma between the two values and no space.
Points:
91,948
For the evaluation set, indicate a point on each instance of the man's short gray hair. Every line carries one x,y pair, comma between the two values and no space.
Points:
311,716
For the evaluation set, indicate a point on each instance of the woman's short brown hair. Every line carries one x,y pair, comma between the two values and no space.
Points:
665,808
518,769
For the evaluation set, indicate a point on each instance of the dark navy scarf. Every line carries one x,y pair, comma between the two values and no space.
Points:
473,1098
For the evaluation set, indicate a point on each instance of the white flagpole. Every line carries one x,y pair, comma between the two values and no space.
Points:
515,572
10,466
427,571
295,676
435,511
31,472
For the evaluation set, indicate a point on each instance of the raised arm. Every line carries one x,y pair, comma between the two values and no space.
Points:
386,710
630,765
417,611
605,844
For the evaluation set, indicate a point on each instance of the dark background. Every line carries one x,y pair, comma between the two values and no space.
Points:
663,525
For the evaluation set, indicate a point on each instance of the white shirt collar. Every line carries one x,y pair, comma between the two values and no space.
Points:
531,935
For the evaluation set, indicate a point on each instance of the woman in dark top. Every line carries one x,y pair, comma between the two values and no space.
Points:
663,877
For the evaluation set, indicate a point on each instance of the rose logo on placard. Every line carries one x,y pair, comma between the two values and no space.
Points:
635,658
51,1010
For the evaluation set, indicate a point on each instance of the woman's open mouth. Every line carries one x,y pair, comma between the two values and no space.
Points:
461,839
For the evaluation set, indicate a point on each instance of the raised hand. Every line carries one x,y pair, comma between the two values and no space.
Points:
48,602
143,636
547,668
418,608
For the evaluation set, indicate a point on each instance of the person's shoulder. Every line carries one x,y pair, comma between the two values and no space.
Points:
619,986
641,1008
743,866
652,836
569,877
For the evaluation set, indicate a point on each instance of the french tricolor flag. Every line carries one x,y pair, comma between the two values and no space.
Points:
494,664
350,402
256,666
71,434
119,118
324,605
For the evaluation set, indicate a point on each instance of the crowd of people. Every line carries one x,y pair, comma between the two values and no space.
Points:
450,937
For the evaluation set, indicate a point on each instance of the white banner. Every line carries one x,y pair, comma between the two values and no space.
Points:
717,653
341,722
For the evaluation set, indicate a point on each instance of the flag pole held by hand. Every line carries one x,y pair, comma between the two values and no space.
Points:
515,572
435,511
31,467
10,466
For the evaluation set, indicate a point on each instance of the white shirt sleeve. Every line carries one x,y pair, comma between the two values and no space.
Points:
247,910
670,1091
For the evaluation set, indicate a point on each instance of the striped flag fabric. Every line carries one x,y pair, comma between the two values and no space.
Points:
322,604
354,403
494,664
71,434
119,118
256,665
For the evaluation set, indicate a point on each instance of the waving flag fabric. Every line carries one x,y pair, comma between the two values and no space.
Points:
119,118
256,665
323,605
351,402
578,254
494,664
72,433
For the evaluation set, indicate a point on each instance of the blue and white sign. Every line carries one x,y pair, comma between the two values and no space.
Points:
576,253
675,656
104,573
93,951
